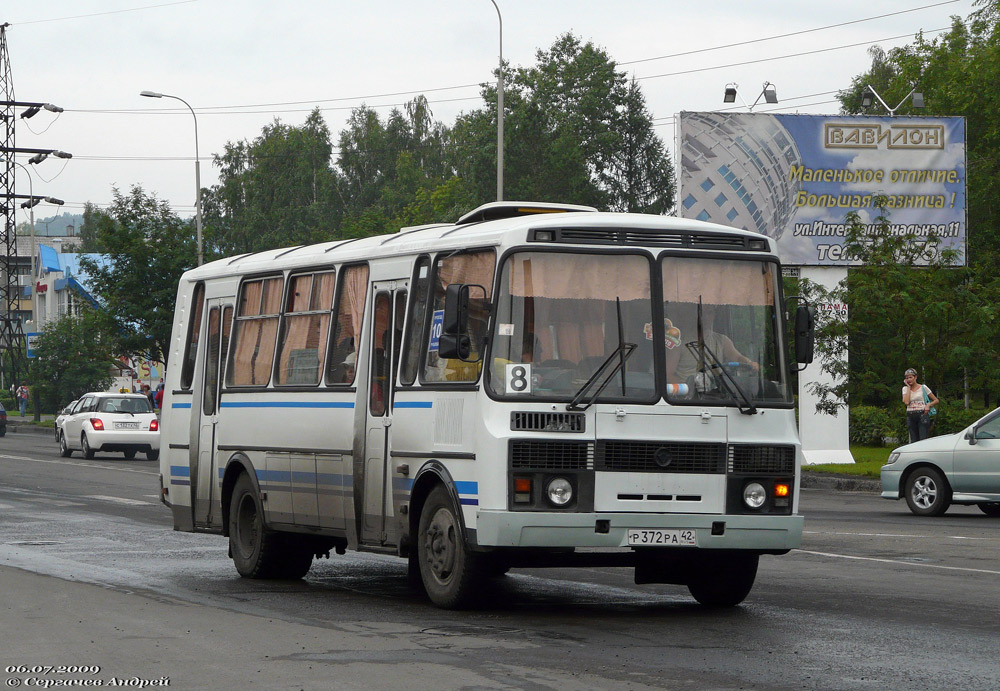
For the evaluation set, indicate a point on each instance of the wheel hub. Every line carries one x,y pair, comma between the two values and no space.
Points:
439,544
924,492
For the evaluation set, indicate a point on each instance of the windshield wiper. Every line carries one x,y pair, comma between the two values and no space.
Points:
747,407
618,358
732,386
623,352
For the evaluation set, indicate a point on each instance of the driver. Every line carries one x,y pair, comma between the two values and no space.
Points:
720,344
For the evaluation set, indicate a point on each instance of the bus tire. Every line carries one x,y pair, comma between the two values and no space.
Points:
449,572
724,581
296,558
257,553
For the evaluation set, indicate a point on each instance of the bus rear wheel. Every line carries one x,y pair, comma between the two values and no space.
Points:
256,552
449,572
724,581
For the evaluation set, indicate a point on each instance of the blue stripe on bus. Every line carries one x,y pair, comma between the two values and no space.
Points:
180,471
287,404
413,404
469,502
180,405
467,487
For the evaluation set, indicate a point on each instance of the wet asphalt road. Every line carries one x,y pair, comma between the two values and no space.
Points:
876,598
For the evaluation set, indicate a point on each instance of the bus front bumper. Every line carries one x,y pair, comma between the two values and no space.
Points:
713,531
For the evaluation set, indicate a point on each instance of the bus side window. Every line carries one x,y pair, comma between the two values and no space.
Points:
305,321
194,331
344,336
416,320
255,333
472,267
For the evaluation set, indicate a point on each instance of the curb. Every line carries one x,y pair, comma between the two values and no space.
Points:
842,483
15,428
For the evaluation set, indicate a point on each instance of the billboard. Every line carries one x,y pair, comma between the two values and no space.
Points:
794,178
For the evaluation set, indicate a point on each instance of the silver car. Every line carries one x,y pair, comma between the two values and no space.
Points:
962,468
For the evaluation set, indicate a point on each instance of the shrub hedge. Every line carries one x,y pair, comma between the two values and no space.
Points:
874,426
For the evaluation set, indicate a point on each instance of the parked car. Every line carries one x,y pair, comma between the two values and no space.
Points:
961,468
61,418
113,422
3,421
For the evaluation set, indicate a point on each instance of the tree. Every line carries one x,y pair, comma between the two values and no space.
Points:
146,249
72,356
276,191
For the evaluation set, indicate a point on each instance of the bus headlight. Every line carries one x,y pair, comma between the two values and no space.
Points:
754,495
559,491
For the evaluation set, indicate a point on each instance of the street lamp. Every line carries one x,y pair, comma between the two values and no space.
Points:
197,167
41,156
499,111
768,93
869,95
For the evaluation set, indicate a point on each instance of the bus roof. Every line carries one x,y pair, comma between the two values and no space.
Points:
487,225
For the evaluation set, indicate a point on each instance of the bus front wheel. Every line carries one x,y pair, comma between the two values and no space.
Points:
255,551
449,572
724,581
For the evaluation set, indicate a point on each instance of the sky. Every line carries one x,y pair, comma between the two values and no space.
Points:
240,65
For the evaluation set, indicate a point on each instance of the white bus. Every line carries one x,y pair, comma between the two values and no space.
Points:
533,385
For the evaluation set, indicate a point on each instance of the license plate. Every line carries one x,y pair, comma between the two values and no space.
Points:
126,425
664,538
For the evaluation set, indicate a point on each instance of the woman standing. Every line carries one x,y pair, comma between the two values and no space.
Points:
919,401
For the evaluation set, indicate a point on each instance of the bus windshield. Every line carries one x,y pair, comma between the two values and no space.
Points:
561,315
721,331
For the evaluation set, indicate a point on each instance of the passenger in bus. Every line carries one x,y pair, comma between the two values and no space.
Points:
681,363
348,368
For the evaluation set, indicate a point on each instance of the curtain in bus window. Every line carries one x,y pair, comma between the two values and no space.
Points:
304,336
717,282
347,327
584,276
255,337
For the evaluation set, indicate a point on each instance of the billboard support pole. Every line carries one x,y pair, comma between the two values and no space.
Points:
825,438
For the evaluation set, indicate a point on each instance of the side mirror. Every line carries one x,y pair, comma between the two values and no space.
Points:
805,330
456,341
971,436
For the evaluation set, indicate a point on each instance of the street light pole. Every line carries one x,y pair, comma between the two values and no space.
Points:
31,216
499,111
197,167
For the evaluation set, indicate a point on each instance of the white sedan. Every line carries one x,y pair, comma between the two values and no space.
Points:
123,423
961,468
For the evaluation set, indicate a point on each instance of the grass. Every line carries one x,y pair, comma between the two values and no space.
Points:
868,461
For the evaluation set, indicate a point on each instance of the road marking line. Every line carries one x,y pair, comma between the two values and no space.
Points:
78,465
919,537
898,562
119,500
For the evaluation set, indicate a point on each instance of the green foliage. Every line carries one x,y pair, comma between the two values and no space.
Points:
872,425
148,248
73,356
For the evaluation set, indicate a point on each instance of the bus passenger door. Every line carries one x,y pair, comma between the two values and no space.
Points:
206,502
383,356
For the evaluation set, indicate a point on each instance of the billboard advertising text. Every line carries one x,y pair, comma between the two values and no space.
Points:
795,178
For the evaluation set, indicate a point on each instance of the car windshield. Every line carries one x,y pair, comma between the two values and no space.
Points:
561,315
124,404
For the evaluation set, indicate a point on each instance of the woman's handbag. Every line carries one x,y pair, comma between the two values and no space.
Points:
933,410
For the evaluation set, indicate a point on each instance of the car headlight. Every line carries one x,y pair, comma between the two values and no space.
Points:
893,457
754,495
559,491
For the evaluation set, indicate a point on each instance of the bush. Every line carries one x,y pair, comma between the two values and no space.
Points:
871,426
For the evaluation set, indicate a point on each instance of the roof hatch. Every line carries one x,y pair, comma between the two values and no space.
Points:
497,210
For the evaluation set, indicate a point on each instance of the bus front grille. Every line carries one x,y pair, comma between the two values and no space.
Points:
531,421
661,457
753,459
551,455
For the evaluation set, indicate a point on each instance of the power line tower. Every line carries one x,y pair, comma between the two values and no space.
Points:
11,333
13,365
